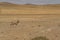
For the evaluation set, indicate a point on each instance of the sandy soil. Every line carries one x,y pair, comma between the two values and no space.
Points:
26,27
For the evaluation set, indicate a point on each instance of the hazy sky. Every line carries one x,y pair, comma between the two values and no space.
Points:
33,1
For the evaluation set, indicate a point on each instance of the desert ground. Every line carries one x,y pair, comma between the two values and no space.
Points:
25,22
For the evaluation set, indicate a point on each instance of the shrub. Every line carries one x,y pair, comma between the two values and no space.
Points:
40,38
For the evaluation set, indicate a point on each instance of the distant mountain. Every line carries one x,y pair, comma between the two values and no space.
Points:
5,3
28,5
9,8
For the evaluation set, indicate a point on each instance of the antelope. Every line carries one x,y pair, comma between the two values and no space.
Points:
15,23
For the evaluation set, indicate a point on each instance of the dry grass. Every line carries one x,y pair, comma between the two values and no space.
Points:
8,8
26,27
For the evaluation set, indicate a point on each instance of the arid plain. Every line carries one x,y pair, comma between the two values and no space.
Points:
27,21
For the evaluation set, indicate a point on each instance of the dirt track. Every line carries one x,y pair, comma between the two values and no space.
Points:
29,26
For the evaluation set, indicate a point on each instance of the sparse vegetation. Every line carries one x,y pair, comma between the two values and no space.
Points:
40,38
